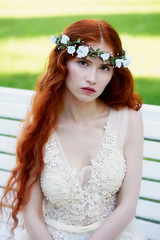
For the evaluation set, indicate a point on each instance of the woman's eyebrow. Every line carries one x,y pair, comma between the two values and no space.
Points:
85,59
107,64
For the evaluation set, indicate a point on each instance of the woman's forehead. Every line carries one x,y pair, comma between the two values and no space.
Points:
103,46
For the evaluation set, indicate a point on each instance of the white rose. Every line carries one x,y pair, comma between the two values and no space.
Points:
105,56
127,61
64,39
71,49
82,51
118,62
52,40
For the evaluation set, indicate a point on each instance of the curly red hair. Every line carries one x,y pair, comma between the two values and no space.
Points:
47,103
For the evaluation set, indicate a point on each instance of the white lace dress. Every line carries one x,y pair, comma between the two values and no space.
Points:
75,204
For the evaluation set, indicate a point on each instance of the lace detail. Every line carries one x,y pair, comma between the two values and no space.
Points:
89,196
60,235
66,200
128,236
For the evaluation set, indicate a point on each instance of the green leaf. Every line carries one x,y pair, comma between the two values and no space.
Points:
101,52
58,40
78,40
97,50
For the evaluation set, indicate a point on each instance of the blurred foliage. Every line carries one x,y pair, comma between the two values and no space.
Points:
134,24
25,29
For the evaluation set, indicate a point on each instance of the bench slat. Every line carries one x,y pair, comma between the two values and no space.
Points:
9,127
151,150
150,112
151,169
150,190
5,231
4,238
6,214
7,144
151,130
4,176
7,162
148,210
14,95
151,230
11,110
4,219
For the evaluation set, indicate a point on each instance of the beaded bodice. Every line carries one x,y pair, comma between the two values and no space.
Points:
89,196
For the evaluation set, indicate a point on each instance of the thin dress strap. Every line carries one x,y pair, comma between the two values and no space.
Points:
119,121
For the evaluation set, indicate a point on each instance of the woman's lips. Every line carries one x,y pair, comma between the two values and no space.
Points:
88,90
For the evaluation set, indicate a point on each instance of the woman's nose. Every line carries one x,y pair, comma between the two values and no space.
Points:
91,76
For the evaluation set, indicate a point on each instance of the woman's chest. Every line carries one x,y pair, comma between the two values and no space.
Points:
80,145
60,182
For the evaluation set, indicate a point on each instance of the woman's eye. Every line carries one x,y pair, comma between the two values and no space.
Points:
83,63
105,68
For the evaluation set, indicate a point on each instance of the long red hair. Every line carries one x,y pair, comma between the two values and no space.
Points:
47,103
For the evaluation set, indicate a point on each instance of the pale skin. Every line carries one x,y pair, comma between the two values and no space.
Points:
80,131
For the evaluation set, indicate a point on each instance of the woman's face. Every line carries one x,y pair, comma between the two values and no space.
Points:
88,77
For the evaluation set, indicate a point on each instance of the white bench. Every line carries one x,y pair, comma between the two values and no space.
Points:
13,107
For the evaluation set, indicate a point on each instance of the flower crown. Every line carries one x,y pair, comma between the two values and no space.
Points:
83,50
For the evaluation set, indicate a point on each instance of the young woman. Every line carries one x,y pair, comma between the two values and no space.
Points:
79,153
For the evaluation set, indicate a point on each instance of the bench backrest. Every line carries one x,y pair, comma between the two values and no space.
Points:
13,108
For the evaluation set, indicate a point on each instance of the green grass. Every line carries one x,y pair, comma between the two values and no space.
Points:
149,89
134,24
25,29
19,80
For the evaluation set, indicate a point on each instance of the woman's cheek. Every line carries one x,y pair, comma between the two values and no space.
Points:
104,84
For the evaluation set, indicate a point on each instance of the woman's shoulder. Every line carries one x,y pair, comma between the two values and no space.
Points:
119,113
132,113
127,116
134,116
135,122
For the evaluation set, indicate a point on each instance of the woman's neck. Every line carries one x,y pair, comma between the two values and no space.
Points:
78,111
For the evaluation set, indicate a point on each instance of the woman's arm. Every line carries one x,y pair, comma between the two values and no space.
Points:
128,195
33,217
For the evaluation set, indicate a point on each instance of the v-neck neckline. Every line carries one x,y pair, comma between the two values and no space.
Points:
65,157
